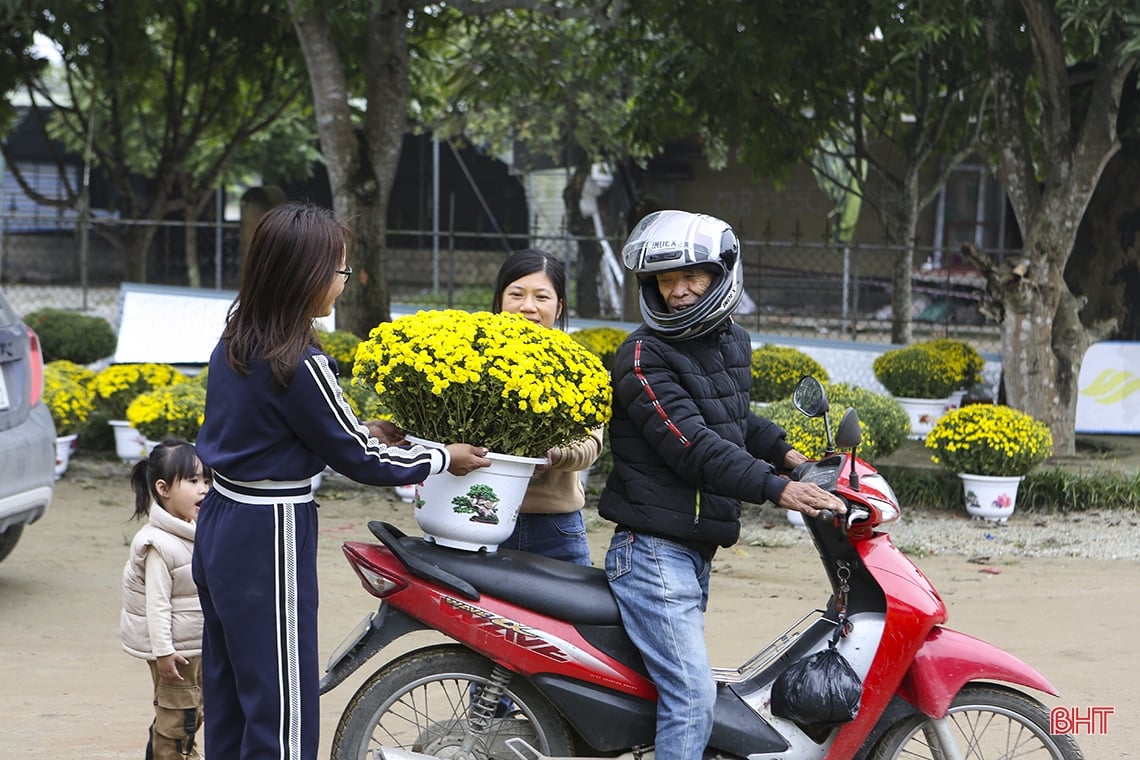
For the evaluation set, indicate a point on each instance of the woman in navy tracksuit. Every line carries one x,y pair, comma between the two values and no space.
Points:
275,417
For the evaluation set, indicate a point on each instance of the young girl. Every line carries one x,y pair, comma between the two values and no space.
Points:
275,417
533,283
161,620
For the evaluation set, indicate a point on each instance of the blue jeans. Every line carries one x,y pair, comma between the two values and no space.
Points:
558,536
662,589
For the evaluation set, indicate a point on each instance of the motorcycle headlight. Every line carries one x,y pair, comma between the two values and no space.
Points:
885,500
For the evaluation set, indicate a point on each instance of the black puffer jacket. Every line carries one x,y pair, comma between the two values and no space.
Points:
687,447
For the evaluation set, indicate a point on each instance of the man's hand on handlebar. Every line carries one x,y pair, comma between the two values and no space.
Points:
809,499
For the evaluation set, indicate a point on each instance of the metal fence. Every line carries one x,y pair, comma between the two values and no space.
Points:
793,288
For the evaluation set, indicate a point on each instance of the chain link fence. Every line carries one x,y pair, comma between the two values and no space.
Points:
792,288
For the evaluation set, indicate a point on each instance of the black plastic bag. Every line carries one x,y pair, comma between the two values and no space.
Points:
819,691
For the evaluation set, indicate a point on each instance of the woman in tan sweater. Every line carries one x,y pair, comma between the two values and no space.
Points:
533,283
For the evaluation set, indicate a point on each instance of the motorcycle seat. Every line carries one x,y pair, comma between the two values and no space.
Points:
562,590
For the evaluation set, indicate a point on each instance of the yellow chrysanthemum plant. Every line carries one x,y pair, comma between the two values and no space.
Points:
68,395
919,371
603,342
494,380
989,439
341,346
117,386
173,411
963,356
777,369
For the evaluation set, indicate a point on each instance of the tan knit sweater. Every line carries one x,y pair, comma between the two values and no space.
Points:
558,488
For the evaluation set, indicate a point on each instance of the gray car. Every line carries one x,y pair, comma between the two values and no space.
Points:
27,434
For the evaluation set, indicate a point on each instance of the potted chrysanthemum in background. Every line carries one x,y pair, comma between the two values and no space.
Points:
117,386
603,342
68,396
173,411
922,378
494,380
967,360
991,448
777,369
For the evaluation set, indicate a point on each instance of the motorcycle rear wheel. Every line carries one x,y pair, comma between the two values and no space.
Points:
990,723
419,702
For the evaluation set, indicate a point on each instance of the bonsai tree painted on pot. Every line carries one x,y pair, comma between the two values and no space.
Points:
496,380
777,369
991,448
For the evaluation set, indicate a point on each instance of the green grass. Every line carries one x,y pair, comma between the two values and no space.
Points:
1044,491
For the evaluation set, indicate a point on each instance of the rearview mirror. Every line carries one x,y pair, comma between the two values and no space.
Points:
809,397
848,434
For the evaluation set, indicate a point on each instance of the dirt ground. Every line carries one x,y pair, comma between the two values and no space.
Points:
67,689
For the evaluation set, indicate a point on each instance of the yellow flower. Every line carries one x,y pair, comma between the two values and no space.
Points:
68,395
777,369
494,380
173,411
117,386
988,439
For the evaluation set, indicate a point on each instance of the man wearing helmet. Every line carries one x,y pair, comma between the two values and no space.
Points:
687,449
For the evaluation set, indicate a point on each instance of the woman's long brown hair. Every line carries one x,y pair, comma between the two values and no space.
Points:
293,256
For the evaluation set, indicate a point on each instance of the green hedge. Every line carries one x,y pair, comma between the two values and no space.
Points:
80,338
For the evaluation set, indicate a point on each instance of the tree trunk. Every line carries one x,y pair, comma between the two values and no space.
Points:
582,229
361,166
136,248
902,231
1070,139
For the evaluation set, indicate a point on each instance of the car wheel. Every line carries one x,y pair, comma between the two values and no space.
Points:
8,540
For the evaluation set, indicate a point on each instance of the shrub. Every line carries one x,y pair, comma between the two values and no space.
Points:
80,338
918,371
341,346
883,422
777,369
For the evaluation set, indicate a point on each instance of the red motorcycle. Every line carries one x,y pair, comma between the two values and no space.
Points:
541,667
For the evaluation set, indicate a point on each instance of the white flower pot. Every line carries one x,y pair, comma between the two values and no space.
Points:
477,511
990,497
130,445
923,414
796,518
64,445
406,494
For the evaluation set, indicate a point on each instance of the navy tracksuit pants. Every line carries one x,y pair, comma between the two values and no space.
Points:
255,563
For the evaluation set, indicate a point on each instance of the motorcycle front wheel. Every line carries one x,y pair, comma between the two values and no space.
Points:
988,723
422,702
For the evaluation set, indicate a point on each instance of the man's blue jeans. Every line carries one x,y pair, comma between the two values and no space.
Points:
662,589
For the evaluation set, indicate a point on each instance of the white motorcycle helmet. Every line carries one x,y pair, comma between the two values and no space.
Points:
668,240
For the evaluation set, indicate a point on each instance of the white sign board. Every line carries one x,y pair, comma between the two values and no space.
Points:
170,325
1108,399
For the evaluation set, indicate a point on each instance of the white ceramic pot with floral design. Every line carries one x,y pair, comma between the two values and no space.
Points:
990,497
